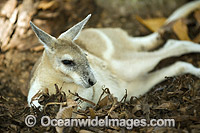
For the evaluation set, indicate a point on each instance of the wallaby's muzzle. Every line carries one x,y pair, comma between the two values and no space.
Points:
89,80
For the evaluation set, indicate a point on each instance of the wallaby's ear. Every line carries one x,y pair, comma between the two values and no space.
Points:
47,40
74,32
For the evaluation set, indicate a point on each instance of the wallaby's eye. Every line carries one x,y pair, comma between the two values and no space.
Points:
68,62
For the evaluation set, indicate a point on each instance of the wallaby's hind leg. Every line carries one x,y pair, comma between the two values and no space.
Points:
147,43
143,62
177,48
173,48
173,70
150,80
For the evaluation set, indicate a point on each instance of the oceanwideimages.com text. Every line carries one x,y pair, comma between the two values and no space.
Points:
100,122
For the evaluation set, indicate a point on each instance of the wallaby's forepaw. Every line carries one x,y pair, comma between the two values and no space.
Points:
36,104
33,99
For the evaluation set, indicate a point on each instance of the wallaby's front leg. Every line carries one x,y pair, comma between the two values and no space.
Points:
146,82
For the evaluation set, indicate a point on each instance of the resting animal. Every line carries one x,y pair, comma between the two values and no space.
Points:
83,61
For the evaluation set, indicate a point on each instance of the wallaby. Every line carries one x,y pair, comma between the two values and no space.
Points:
85,61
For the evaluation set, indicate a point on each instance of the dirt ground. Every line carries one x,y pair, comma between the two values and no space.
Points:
177,97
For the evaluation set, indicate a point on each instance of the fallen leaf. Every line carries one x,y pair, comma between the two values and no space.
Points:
71,103
187,99
185,118
85,131
136,108
197,39
48,5
8,8
37,48
92,113
153,24
183,109
78,116
103,102
63,113
114,115
181,30
195,126
167,106
197,16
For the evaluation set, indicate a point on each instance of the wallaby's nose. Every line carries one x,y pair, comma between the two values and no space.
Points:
91,82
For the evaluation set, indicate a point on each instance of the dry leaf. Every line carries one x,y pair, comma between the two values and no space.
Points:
183,109
153,24
187,99
181,30
48,5
167,106
92,113
114,115
8,8
85,131
63,113
136,108
38,48
78,116
197,39
197,16
71,103
103,102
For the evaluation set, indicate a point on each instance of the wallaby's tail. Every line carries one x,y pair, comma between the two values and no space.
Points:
155,39
183,11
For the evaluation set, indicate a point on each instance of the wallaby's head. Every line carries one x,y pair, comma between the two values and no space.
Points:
67,57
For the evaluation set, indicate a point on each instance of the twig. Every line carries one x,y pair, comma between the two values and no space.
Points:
124,97
115,104
76,94
53,103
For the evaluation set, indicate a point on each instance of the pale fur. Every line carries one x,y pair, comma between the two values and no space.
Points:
116,61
